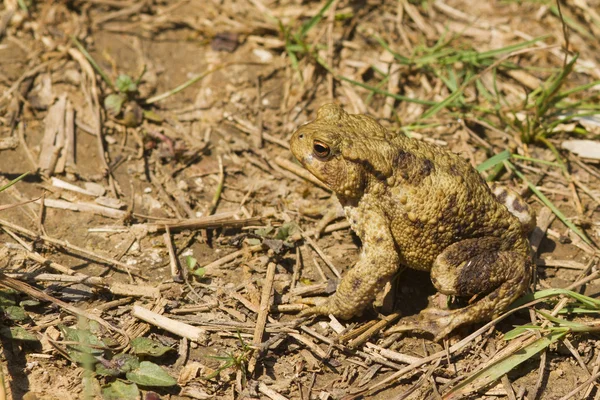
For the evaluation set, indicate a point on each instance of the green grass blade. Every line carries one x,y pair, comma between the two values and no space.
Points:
306,27
443,104
573,24
23,5
495,371
577,89
572,326
519,330
550,205
398,57
493,161
508,49
548,98
184,85
91,60
294,61
536,160
371,88
586,300
9,184
577,310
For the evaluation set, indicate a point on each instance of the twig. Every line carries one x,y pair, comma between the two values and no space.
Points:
388,319
322,255
84,207
39,295
94,104
594,372
270,393
164,195
219,190
510,393
175,272
21,132
208,222
310,344
136,8
258,137
261,320
573,392
69,247
178,328
230,257
576,355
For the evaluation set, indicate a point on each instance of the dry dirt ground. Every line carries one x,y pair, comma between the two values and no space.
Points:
206,173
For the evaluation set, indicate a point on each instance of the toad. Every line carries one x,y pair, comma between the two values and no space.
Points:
416,204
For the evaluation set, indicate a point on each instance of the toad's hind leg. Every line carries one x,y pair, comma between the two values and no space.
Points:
475,267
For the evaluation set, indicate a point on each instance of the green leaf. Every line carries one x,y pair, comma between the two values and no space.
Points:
119,390
29,303
148,347
17,333
119,364
152,116
196,271
199,272
7,298
113,103
264,232
83,352
285,231
190,262
150,374
15,313
125,84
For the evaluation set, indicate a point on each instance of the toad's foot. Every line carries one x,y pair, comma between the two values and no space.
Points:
436,321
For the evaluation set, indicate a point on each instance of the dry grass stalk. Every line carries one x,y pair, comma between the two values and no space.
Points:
69,247
176,273
36,294
178,328
382,324
261,320
323,256
54,136
313,347
209,222
270,393
84,207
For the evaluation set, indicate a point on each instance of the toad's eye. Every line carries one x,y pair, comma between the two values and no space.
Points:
321,149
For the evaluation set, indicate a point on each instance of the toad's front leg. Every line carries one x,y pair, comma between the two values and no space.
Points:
377,264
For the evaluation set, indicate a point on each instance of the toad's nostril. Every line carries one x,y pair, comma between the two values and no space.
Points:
301,136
